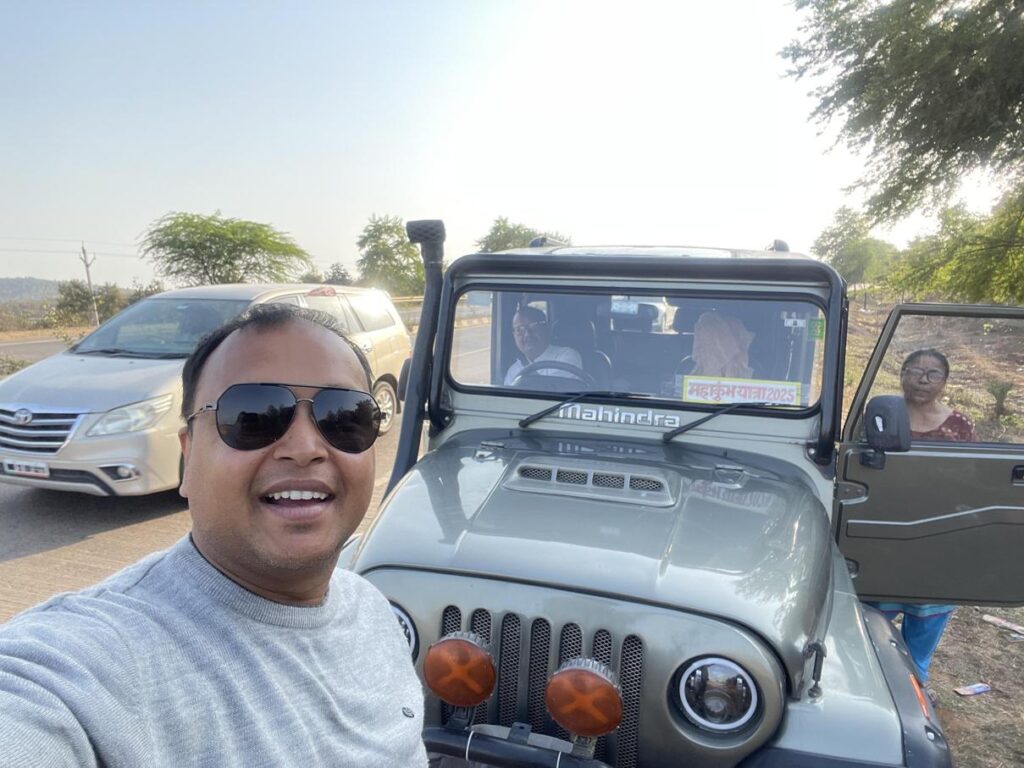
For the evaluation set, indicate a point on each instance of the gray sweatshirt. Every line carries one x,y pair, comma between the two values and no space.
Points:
170,663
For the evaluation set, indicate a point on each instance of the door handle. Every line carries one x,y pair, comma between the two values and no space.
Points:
1017,474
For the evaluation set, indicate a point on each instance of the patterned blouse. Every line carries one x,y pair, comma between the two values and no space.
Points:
956,428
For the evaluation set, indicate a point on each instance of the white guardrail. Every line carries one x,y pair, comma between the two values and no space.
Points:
409,308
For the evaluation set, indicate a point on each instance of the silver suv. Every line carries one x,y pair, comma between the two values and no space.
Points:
103,417
638,544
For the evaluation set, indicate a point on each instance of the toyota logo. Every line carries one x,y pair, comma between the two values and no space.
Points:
22,416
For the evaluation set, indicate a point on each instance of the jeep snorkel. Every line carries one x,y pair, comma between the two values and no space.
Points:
429,235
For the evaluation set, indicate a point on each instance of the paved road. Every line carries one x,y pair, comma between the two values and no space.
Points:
33,351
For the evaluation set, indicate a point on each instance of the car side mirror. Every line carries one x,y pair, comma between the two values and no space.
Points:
886,427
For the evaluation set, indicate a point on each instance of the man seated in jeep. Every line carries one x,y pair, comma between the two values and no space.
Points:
533,340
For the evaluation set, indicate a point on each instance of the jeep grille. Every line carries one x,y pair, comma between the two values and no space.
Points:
606,480
535,473
46,433
571,476
645,484
523,647
599,481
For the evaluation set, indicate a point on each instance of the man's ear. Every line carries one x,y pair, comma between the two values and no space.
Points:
186,447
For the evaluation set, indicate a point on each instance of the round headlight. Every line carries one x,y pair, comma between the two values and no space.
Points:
717,694
408,629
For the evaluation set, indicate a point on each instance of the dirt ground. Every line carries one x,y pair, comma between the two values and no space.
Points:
984,731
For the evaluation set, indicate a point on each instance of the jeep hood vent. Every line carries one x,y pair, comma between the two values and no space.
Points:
570,477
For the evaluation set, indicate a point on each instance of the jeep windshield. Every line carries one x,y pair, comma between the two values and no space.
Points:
159,328
684,349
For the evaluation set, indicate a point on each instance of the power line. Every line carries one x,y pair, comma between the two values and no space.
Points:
70,252
68,240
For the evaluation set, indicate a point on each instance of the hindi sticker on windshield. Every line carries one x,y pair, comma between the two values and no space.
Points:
716,390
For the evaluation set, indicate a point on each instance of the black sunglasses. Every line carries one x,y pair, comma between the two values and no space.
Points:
253,416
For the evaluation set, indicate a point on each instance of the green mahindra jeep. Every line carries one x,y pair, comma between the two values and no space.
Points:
637,536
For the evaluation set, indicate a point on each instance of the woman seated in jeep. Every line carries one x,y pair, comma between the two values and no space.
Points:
721,347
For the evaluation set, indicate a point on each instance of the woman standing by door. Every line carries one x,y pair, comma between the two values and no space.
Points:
923,378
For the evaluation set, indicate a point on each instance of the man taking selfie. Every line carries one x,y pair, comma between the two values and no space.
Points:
241,645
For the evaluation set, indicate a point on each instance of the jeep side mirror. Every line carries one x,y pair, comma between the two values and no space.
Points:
403,379
886,427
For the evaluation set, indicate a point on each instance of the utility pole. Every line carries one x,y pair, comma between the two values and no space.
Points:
88,279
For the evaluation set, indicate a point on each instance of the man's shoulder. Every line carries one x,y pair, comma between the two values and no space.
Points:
354,587
371,615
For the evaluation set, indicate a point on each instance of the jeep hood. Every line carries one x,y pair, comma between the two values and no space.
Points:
89,383
749,545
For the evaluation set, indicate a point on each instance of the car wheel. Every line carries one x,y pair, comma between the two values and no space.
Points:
386,398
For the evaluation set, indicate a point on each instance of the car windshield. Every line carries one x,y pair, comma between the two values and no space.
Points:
685,349
159,327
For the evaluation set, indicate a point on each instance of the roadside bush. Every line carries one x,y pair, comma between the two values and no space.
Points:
9,365
999,390
23,315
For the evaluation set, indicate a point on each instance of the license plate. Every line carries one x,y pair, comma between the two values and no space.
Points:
26,468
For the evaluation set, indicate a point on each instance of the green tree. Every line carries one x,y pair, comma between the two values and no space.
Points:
73,307
504,235
387,259
192,249
138,291
311,276
338,275
930,89
74,304
110,299
847,245
970,257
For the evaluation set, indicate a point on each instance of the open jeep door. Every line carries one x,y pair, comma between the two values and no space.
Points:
944,521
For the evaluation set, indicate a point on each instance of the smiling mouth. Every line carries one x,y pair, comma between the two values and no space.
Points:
296,499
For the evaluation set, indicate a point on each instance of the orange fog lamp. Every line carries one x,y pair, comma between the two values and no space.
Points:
583,697
459,669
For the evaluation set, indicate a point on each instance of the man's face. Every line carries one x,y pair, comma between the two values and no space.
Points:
236,525
531,334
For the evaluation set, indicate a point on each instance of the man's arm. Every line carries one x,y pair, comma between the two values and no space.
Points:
66,690
513,371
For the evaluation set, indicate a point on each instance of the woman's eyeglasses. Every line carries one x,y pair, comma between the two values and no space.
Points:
933,375
253,416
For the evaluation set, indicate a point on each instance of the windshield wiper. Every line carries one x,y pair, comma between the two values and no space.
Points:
575,398
667,437
161,355
128,353
103,351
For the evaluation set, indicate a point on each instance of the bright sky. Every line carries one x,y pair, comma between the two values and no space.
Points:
615,123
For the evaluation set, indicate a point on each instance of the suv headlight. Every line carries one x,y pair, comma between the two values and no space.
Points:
717,694
132,418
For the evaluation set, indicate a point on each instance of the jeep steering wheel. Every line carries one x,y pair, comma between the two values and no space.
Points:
547,365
